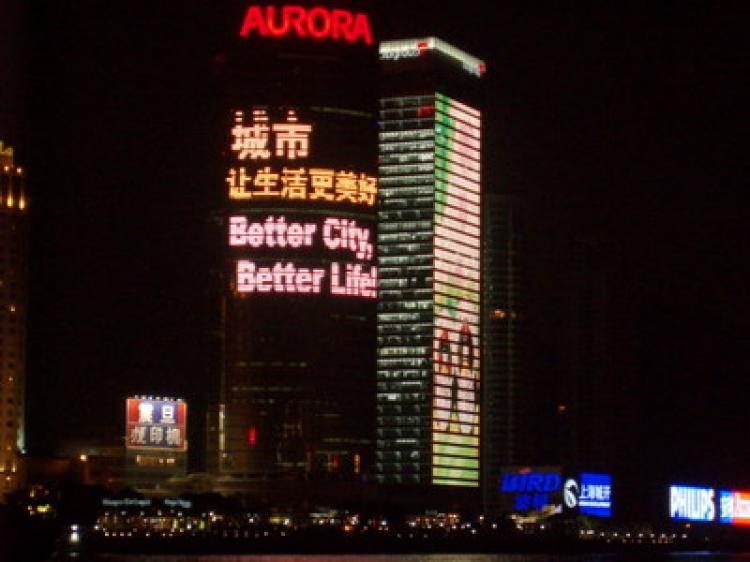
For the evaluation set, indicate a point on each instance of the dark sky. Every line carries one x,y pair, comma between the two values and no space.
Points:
617,125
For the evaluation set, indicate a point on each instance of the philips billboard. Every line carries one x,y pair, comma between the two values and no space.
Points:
691,503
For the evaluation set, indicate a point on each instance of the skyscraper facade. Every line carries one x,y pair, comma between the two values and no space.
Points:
13,286
505,423
298,273
429,240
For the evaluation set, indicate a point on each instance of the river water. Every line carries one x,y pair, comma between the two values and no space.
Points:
614,557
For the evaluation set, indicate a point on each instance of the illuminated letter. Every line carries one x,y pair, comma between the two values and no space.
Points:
319,29
341,25
254,20
295,17
273,29
361,28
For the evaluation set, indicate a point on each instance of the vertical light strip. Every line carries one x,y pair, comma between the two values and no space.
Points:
456,337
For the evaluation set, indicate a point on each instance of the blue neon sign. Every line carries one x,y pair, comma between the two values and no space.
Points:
595,498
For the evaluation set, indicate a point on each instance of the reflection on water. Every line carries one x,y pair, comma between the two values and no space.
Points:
613,557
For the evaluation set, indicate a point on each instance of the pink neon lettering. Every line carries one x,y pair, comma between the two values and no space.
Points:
345,234
318,23
356,281
273,232
280,278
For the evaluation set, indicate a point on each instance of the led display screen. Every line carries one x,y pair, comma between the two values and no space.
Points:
456,349
305,226
155,424
690,503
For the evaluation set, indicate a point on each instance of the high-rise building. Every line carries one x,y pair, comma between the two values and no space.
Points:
296,388
13,286
429,254
505,423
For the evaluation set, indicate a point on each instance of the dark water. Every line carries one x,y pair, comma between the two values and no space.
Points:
619,557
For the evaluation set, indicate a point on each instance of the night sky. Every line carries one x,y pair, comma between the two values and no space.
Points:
617,127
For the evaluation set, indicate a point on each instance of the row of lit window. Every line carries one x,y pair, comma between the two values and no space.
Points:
406,135
405,158
404,260
403,363
413,212
404,305
405,101
403,351
397,409
411,328
404,284
395,201
406,146
409,397
406,433
406,124
420,184
391,169
385,375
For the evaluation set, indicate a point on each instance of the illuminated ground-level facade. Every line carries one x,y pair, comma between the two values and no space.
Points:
298,277
13,287
429,321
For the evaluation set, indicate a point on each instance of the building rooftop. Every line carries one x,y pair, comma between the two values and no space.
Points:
413,48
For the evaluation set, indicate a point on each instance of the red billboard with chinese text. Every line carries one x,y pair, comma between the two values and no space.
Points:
156,424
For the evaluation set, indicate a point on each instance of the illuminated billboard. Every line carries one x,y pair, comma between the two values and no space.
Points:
595,494
456,290
297,233
734,507
531,488
538,488
690,503
156,424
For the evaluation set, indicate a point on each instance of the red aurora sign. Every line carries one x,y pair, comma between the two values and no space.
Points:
316,23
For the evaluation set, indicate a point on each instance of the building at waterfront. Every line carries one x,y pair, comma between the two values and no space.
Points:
505,394
429,240
13,314
297,276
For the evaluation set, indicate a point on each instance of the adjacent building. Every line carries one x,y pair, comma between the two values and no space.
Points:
506,420
13,313
429,255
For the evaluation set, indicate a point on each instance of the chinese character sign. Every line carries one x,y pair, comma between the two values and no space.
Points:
270,161
156,424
